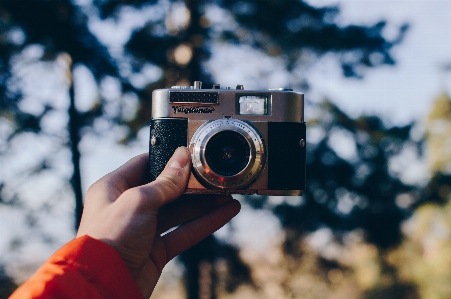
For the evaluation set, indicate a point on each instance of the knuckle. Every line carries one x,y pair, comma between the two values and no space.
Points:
96,188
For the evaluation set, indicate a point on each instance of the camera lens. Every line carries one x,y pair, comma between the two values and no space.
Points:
227,153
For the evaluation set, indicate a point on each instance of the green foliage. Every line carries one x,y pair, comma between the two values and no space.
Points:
290,27
349,183
7,285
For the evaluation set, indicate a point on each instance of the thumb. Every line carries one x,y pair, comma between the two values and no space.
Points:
172,181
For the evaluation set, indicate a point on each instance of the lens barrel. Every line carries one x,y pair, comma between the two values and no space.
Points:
227,153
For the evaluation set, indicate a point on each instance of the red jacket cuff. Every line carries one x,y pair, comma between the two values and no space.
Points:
83,268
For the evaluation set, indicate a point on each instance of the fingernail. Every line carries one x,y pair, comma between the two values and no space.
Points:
180,158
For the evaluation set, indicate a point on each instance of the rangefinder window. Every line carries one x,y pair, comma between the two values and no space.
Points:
194,97
253,105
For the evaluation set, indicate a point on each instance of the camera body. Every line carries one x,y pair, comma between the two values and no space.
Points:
241,141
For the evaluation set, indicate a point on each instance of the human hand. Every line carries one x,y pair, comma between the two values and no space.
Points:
130,216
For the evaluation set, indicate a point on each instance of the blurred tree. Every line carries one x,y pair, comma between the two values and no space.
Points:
352,187
350,183
180,40
438,125
423,258
7,285
342,194
58,28
346,190
41,43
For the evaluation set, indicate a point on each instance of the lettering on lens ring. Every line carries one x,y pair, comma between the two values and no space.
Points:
188,110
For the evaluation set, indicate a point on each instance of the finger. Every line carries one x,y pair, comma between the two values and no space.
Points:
131,174
168,186
186,209
195,231
111,186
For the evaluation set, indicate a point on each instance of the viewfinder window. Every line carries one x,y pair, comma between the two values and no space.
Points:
253,105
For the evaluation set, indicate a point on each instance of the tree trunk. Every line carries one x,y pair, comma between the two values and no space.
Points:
74,141
199,260
200,278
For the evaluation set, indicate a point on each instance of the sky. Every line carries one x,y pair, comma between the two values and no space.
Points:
405,92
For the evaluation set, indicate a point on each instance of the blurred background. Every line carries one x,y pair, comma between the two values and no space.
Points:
375,220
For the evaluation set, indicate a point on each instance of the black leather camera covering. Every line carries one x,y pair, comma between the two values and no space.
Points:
286,157
166,135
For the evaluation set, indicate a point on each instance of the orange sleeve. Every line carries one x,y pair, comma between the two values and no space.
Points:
83,268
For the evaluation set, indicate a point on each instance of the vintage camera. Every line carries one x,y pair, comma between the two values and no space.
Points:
241,141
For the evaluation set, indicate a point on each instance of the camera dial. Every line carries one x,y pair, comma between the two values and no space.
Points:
227,153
